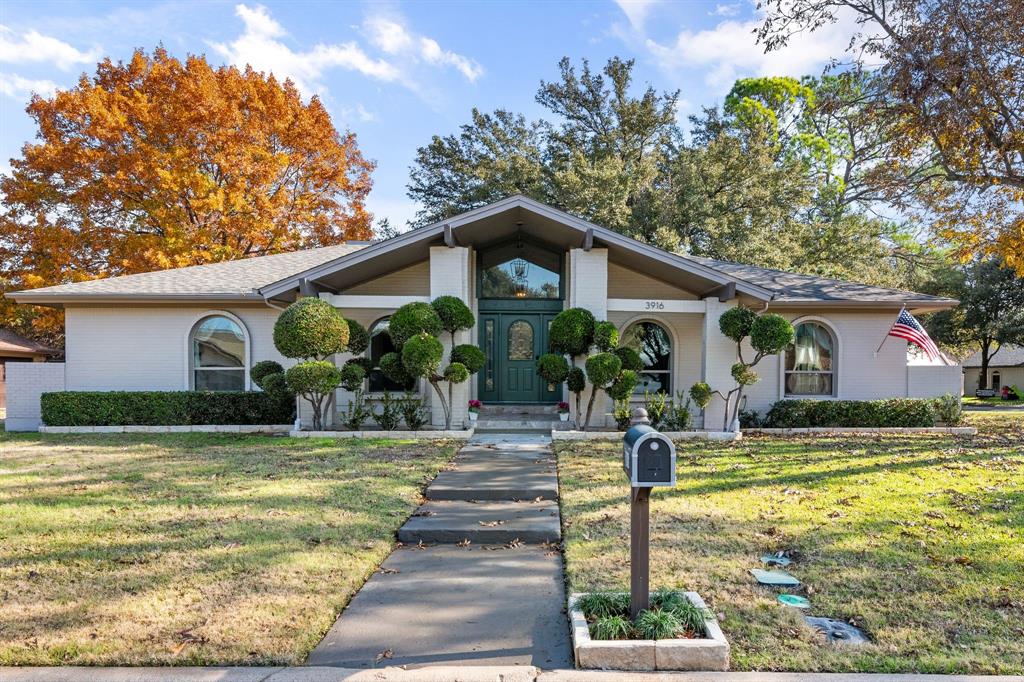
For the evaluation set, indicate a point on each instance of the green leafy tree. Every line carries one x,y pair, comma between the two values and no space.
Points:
311,330
990,314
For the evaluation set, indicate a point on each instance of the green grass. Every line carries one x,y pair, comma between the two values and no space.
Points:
193,548
989,402
917,539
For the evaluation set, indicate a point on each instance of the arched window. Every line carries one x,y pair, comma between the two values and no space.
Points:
809,361
380,345
218,355
654,345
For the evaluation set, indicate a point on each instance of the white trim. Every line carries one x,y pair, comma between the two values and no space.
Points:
837,363
366,301
188,345
666,305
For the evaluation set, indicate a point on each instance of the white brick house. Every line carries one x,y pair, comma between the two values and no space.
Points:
516,263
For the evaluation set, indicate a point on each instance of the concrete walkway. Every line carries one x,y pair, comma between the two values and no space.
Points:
446,674
478,580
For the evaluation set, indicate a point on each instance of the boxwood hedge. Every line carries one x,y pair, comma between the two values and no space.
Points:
894,412
164,408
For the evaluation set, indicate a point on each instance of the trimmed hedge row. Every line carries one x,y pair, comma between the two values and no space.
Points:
895,412
164,408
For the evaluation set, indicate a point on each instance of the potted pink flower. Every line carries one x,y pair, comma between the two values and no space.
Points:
474,409
563,411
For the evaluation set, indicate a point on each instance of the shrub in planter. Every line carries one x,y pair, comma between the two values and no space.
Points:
414,413
389,415
622,413
164,408
656,405
357,412
677,414
895,412
949,410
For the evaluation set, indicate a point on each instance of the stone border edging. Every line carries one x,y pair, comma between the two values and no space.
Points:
949,430
410,435
673,435
187,428
706,653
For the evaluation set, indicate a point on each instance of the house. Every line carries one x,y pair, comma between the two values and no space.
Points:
517,263
16,348
1005,368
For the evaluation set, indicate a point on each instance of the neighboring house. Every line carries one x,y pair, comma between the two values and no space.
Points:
16,348
1005,368
517,263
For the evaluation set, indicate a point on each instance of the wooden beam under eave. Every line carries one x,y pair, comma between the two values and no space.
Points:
725,292
449,237
588,239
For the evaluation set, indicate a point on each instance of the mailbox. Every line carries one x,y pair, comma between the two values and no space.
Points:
648,457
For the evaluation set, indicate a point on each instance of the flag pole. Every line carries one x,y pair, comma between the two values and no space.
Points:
886,337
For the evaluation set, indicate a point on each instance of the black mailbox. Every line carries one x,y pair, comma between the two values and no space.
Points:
648,457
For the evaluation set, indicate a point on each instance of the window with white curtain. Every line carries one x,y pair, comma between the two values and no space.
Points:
809,361
218,356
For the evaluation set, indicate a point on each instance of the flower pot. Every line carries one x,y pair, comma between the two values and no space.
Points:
564,416
473,416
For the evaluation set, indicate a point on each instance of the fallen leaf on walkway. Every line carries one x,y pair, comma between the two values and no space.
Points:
387,653
514,543
389,571
424,512
490,524
463,543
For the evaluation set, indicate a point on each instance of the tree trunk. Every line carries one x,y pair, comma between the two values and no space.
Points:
590,407
444,405
986,357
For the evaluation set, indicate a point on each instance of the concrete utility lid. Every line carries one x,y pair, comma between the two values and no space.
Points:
774,578
837,631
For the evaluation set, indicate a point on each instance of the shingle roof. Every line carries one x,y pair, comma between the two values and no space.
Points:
16,343
791,287
1009,355
229,278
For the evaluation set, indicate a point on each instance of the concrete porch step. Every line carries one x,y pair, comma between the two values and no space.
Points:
495,522
518,412
488,473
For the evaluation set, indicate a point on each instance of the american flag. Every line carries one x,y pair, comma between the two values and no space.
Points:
906,327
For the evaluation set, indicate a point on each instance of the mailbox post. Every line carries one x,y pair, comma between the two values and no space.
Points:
649,460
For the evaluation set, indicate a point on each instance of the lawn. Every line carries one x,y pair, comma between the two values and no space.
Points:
192,549
989,402
917,539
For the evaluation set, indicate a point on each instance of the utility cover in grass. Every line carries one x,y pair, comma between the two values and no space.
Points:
774,578
795,600
837,632
776,559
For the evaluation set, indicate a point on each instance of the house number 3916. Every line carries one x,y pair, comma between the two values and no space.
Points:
654,305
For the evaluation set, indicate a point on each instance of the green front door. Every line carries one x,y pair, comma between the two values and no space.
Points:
513,341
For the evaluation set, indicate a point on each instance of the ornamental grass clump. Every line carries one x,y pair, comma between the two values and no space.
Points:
670,616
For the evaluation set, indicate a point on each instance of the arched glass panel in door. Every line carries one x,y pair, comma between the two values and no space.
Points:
520,340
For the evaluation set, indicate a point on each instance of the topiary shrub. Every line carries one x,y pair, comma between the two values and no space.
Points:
606,337
411,320
736,323
552,368
630,358
470,356
263,369
771,333
602,369
421,356
314,380
310,328
576,380
456,373
363,361
277,386
572,332
358,338
623,386
352,376
744,375
453,312
391,366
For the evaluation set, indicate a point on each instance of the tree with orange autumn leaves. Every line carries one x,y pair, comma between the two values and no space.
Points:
157,163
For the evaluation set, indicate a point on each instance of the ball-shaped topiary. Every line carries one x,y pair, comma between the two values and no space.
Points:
736,323
552,368
263,369
352,376
576,380
310,328
701,394
744,374
456,373
623,385
313,377
469,355
391,366
358,338
631,360
421,355
572,332
276,385
453,313
363,361
606,336
413,319
771,333
602,368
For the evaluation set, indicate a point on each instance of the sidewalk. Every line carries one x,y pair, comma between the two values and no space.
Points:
446,674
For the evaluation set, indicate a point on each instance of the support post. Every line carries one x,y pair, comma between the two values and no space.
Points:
639,551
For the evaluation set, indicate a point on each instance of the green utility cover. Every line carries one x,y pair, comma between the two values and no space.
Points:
795,600
774,578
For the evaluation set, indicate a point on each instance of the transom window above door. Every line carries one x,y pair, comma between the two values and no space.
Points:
520,270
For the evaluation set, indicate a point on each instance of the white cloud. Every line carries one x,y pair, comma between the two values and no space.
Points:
729,10
392,37
358,113
259,47
730,51
35,47
22,89
636,11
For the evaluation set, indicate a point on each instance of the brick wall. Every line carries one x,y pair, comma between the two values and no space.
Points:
26,381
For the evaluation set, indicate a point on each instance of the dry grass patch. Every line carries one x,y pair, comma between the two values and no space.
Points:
917,539
192,549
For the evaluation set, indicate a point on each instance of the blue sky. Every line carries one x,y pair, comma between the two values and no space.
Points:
398,73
